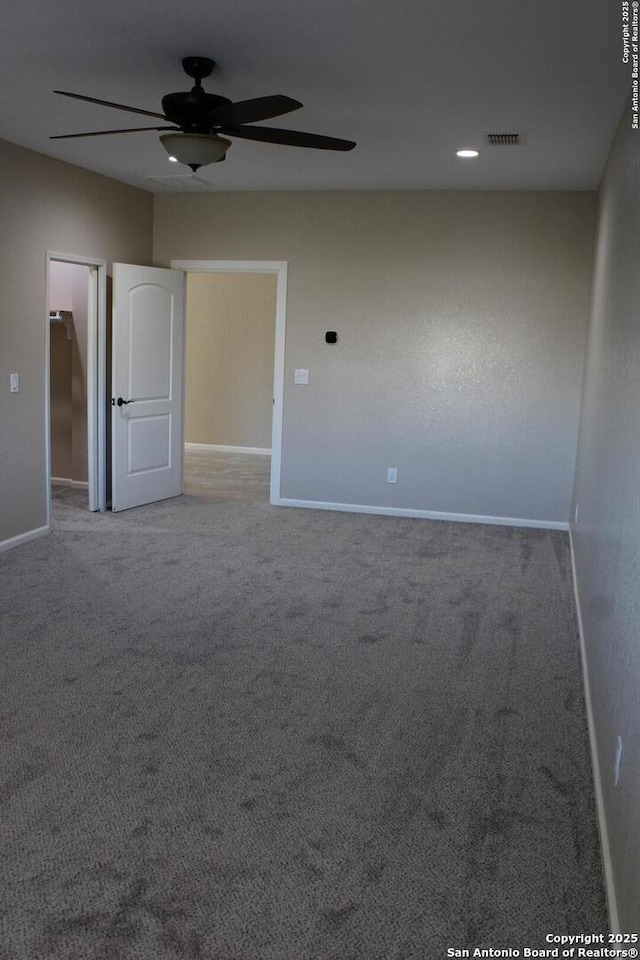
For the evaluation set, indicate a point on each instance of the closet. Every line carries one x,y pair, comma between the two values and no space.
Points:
68,318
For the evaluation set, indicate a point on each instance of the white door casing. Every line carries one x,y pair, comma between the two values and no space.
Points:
96,360
148,352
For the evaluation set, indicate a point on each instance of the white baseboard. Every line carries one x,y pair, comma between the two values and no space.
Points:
222,448
23,538
595,762
420,514
80,484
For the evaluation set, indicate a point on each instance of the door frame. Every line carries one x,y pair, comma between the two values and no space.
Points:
279,268
96,376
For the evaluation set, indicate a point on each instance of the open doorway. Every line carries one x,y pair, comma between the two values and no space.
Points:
75,411
98,394
230,343
68,330
233,384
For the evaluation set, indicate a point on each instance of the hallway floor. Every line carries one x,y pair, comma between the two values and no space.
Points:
227,476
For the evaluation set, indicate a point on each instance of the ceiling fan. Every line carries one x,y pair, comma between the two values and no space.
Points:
198,119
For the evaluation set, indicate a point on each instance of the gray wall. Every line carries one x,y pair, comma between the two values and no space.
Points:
44,205
607,535
462,322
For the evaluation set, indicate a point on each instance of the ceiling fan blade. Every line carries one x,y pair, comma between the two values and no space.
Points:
107,103
102,133
291,138
249,111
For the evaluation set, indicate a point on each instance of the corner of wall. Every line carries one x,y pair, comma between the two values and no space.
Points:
605,848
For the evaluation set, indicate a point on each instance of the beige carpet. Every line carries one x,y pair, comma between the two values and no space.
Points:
223,475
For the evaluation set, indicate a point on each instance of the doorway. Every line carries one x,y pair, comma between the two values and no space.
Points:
97,373
68,325
234,378
230,342
74,378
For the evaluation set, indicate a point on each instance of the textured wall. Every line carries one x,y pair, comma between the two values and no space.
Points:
44,205
607,534
230,344
461,321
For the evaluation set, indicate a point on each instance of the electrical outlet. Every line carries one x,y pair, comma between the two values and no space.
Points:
392,474
618,761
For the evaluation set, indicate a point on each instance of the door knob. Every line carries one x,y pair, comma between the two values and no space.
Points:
121,402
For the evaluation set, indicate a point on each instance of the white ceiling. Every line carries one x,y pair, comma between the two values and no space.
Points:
409,80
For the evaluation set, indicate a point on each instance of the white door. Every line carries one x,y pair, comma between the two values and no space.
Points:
147,423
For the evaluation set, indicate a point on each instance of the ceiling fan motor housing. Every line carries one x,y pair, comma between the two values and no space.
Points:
187,109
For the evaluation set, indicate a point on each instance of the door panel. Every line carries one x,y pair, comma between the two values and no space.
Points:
149,442
151,343
148,344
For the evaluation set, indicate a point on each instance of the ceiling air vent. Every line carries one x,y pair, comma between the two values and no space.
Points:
179,183
505,139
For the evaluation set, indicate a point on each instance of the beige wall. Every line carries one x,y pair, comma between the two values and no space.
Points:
230,357
461,321
68,291
47,205
61,347
607,535
61,286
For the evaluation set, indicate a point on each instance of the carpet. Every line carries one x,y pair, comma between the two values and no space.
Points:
238,732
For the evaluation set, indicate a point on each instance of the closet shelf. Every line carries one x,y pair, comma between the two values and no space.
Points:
63,316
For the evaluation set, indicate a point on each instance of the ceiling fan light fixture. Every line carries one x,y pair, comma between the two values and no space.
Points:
195,117
195,149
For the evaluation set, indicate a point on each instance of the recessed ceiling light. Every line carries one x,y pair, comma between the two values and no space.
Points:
173,159
467,153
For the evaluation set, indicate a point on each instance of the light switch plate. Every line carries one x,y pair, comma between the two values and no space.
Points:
301,376
14,382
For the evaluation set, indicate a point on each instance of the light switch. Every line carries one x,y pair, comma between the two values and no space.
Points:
301,376
15,382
